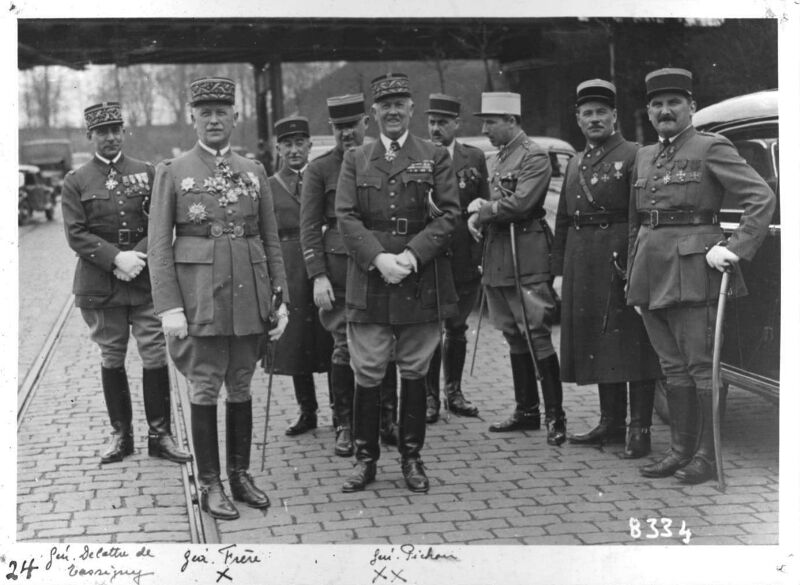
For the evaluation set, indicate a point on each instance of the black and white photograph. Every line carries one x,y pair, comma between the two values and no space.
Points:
397,293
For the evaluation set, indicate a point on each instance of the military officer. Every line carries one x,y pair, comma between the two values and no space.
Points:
305,347
396,205
213,285
326,263
519,296
677,255
469,166
603,341
105,205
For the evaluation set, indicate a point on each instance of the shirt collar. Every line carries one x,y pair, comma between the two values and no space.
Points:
672,139
104,160
213,151
452,149
388,141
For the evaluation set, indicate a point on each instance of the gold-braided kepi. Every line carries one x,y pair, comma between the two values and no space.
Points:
212,89
103,114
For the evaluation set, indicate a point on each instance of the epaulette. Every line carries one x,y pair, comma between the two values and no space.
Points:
71,172
526,144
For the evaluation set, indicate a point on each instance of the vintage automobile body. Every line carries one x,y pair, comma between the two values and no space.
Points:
752,327
52,155
34,194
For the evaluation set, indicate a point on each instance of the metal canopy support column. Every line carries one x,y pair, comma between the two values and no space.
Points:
262,115
276,87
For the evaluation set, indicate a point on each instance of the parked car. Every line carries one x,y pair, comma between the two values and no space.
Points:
35,194
81,158
752,327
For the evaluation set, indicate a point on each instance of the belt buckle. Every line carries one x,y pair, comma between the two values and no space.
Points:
216,230
238,230
124,236
401,223
576,219
653,217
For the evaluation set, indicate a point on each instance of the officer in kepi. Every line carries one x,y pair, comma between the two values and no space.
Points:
677,253
213,286
305,346
397,206
603,341
516,268
469,166
105,204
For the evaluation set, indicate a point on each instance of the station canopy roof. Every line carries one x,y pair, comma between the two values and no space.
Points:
78,43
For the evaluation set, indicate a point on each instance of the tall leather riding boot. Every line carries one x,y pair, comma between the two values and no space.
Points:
526,415
344,386
366,428
683,414
454,353
306,395
553,396
118,403
213,498
432,387
702,467
642,398
412,433
611,428
155,391
389,405
238,438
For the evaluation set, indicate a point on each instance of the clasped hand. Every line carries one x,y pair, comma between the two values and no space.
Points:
283,320
129,264
395,267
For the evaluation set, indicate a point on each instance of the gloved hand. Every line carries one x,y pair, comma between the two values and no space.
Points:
130,262
323,292
283,320
474,229
391,270
175,324
476,204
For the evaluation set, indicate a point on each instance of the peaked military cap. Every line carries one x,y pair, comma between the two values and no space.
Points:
103,114
212,89
500,103
346,108
439,103
391,84
668,79
291,125
593,90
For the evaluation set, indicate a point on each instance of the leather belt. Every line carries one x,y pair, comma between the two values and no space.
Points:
400,226
122,237
537,215
288,234
601,218
657,217
216,230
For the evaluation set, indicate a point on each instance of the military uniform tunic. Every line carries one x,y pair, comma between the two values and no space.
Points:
104,208
667,266
602,339
519,177
323,249
304,347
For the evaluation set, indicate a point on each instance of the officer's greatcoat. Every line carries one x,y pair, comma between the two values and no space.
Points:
469,166
667,263
602,339
519,176
305,347
385,206
226,257
105,214
323,248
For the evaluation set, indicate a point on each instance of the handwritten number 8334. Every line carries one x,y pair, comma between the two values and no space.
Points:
658,528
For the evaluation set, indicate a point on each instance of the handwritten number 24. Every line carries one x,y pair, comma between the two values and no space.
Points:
27,568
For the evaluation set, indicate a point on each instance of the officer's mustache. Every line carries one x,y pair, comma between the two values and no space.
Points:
666,118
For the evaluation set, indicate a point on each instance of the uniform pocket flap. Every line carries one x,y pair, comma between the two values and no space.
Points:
90,195
697,243
194,250
370,181
417,177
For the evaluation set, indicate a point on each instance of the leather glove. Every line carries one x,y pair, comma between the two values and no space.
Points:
323,292
130,262
175,324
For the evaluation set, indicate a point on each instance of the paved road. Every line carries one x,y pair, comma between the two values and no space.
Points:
486,488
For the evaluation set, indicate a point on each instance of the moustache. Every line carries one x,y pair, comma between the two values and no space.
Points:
666,118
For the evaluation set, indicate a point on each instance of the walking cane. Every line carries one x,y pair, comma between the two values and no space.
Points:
442,391
514,260
715,380
272,322
478,331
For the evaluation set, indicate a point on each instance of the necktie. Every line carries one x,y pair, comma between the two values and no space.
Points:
298,186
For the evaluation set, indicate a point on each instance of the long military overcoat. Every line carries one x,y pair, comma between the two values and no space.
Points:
667,264
104,215
224,279
469,166
305,346
602,339
384,206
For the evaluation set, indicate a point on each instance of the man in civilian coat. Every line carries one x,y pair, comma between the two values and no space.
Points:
603,341
519,177
469,167
105,205
213,286
677,253
305,347
397,205
326,263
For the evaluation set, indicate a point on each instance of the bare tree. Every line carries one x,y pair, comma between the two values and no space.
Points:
42,96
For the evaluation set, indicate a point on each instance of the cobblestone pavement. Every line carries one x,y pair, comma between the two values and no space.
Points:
485,488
